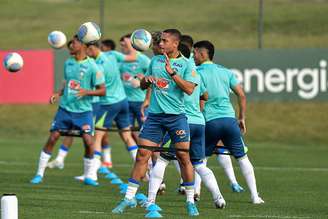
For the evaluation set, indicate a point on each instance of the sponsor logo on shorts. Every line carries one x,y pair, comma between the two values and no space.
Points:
180,132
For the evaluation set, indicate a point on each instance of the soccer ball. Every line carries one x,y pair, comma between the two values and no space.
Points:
13,62
89,32
56,39
141,40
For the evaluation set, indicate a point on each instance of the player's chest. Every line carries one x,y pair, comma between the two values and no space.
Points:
78,72
159,69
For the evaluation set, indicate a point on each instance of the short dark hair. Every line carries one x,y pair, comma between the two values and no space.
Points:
156,37
109,43
69,44
125,36
184,49
206,45
174,32
94,43
187,39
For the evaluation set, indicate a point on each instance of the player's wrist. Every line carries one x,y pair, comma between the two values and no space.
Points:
173,73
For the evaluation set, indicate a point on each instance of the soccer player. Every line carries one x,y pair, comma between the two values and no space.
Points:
81,75
221,123
196,123
170,76
114,106
130,72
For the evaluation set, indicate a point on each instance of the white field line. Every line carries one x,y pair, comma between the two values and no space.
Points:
268,216
125,165
91,212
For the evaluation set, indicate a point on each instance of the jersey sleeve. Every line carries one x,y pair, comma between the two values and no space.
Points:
233,82
190,74
120,57
145,62
97,75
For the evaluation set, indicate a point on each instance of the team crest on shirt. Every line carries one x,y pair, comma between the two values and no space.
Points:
162,83
74,85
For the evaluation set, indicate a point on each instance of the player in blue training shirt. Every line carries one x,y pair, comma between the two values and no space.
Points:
219,113
81,76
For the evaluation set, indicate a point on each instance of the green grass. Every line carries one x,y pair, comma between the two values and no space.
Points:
228,23
289,154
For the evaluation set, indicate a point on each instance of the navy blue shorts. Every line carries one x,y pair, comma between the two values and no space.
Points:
65,120
135,113
197,142
118,112
227,130
95,108
156,125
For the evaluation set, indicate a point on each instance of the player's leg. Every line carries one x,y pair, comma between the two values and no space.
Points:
62,120
150,136
106,152
58,162
225,162
133,109
233,140
197,155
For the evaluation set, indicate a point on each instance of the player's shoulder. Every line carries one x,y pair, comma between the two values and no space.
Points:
70,61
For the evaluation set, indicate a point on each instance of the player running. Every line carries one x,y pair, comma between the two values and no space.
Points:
170,76
81,76
221,123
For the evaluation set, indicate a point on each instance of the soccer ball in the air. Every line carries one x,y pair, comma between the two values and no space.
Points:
13,62
56,39
141,39
89,32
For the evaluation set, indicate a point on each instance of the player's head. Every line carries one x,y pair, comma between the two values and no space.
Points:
187,40
184,49
107,45
77,46
69,47
170,40
203,51
93,49
123,43
156,39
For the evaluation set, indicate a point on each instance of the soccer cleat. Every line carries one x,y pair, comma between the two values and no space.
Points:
257,200
141,197
125,203
90,182
153,214
197,197
161,189
56,164
181,190
192,209
123,188
153,207
103,170
36,180
79,178
116,181
220,203
111,176
237,188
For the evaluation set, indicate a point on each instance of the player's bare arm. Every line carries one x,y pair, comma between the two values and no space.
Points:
238,90
99,91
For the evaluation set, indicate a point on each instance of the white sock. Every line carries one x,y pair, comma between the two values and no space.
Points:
156,178
62,153
107,154
132,189
44,158
248,171
90,169
209,180
190,192
198,182
226,164
133,151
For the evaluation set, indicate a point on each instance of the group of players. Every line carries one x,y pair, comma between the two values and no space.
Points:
180,99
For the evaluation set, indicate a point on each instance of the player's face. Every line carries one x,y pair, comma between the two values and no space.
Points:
70,49
168,43
91,51
156,49
124,47
197,56
76,46
104,48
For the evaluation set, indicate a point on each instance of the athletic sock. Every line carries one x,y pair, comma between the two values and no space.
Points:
107,153
209,180
97,159
198,182
133,151
62,153
44,158
226,164
248,172
90,170
132,189
189,191
156,178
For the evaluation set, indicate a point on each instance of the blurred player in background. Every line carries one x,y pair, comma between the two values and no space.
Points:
170,76
108,46
221,123
81,76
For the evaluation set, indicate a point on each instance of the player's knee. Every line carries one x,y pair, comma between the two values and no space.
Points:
183,158
143,155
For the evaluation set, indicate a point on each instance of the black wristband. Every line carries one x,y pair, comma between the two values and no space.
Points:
174,73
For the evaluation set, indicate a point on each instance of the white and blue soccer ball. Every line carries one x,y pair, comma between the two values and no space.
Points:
13,62
89,32
141,39
57,39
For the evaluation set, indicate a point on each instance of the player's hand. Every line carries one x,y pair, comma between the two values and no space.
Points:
135,83
54,98
150,79
139,76
242,126
144,105
81,93
168,65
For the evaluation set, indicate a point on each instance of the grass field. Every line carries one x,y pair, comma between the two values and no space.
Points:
228,23
289,157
